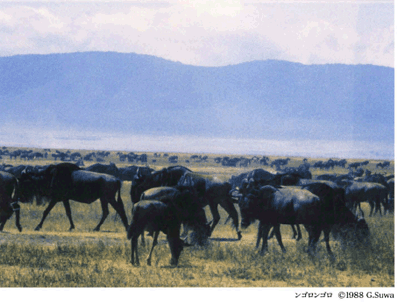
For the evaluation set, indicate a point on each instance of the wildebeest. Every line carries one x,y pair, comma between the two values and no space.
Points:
213,192
391,193
273,207
67,181
263,177
128,173
155,216
9,199
109,169
252,186
188,209
374,193
334,209
292,205
166,177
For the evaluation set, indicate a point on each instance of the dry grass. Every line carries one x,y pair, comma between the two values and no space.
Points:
54,257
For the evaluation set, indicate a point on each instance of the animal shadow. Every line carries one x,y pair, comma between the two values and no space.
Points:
224,239
178,266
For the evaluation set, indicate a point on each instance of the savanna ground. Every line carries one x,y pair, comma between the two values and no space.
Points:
55,257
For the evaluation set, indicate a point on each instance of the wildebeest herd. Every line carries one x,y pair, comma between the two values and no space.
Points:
175,197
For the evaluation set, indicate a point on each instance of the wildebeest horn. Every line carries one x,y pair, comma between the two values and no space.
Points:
26,171
236,190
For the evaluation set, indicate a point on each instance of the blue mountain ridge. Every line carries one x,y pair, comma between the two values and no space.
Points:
140,94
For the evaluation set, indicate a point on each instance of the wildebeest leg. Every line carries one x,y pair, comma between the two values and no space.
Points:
185,229
154,242
17,209
143,238
45,213
2,224
271,235
105,212
17,222
119,208
69,214
134,250
314,234
378,206
176,245
372,205
294,231
277,229
326,232
259,234
299,236
264,232
215,214
229,207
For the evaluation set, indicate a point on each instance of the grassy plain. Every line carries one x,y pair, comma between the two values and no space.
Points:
55,257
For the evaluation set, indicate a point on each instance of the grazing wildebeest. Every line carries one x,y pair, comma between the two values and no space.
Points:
9,199
189,210
213,192
252,186
67,181
374,193
155,216
292,205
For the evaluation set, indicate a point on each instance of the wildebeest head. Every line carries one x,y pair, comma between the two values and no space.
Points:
362,232
353,233
27,187
136,183
192,213
176,247
7,206
251,203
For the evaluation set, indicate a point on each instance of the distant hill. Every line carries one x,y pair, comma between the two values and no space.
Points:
139,94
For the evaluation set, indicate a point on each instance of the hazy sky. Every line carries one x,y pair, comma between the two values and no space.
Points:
208,33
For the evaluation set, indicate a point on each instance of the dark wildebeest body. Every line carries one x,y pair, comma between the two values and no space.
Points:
292,205
110,169
188,208
374,193
262,177
253,186
391,192
273,207
67,181
128,173
17,170
155,216
8,199
166,177
335,212
213,192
